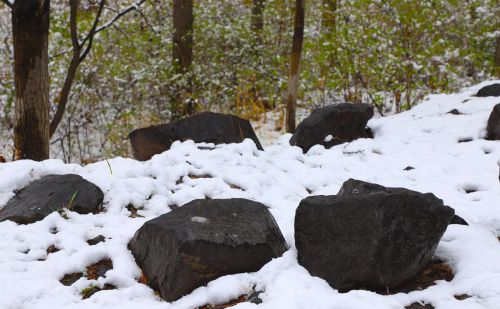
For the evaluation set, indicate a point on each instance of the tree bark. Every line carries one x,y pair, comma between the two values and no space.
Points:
257,21
30,27
293,76
183,54
497,53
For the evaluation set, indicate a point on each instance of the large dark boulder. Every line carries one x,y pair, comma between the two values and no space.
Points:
53,193
203,240
333,125
372,240
355,187
489,91
206,127
493,128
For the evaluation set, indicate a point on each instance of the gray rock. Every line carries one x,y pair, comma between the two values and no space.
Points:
206,127
493,128
354,187
203,240
344,122
489,91
53,193
369,239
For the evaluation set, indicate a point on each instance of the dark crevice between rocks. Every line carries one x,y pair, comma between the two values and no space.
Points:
437,270
252,297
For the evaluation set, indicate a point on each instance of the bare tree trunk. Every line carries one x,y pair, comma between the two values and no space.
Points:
497,53
257,22
183,54
30,27
293,76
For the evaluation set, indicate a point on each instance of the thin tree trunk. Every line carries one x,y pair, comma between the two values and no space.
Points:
293,76
183,54
257,22
497,53
30,27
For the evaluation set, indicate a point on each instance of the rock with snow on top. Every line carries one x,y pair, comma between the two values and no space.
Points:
355,187
333,125
492,90
52,193
365,238
206,127
203,240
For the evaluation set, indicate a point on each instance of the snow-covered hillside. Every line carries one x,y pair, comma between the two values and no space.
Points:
449,157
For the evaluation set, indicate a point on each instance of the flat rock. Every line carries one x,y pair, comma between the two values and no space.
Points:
333,125
206,127
203,240
53,193
367,237
489,91
493,127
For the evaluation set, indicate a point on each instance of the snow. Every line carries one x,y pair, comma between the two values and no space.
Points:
425,138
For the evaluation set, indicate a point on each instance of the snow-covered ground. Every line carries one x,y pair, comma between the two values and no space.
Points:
426,138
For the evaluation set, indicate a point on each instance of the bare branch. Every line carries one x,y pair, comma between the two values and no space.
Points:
7,3
92,31
78,55
119,15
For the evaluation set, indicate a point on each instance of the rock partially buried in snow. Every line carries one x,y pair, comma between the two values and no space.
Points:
53,193
369,239
203,240
206,127
493,128
333,125
489,91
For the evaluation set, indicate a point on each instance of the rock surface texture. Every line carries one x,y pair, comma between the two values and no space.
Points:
369,236
53,193
333,125
493,128
489,91
206,127
203,240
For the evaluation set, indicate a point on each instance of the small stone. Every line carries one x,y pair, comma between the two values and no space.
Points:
94,241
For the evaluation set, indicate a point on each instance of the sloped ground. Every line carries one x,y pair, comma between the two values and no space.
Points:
447,152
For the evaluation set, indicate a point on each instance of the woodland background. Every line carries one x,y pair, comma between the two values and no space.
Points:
389,53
